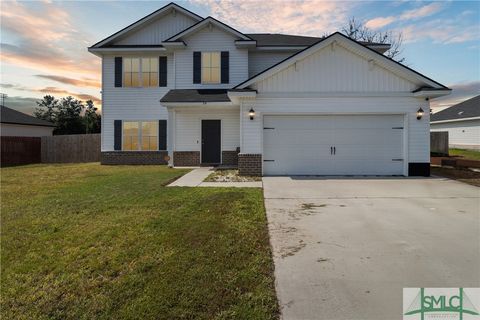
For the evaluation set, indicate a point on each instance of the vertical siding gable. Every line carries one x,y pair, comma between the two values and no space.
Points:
339,70
158,30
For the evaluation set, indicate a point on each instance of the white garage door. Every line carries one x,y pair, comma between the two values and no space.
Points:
333,145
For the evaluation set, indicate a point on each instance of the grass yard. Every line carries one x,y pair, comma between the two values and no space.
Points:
84,241
466,154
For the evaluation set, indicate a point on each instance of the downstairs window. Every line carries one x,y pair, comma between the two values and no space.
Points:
140,135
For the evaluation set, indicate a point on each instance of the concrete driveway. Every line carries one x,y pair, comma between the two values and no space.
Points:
344,248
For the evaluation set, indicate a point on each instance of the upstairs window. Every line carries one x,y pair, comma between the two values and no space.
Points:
140,72
131,72
150,72
210,67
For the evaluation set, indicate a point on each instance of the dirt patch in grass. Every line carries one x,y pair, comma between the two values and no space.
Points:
463,175
229,175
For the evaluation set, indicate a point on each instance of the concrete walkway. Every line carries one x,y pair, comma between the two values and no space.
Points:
195,179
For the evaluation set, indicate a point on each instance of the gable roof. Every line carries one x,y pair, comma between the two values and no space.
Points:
467,109
327,40
205,22
11,116
138,23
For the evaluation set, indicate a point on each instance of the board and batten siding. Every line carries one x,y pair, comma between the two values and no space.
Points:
461,132
418,130
121,103
261,60
159,30
339,70
188,128
210,40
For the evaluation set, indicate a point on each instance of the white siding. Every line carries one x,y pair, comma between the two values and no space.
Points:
129,103
460,133
210,40
339,70
188,128
418,130
159,30
261,60
18,130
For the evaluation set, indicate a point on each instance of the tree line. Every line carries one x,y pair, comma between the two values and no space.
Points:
69,115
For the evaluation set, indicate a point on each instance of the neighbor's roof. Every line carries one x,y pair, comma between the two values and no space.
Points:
196,95
278,39
466,109
11,116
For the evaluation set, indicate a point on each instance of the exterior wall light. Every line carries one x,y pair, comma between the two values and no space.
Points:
251,113
420,113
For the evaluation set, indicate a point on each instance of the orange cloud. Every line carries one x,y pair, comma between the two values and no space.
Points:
43,36
314,18
379,22
85,82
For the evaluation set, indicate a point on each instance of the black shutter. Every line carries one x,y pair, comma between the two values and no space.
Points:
162,71
117,125
162,134
118,71
225,66
197,67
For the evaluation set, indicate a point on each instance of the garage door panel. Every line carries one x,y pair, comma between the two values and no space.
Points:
364,145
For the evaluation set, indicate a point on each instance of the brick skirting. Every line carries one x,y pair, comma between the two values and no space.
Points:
230,158
250,164
186,158
133,157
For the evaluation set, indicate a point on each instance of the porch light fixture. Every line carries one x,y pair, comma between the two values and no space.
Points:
251,113
420,113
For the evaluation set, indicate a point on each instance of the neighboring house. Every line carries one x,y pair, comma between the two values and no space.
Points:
199,91
462,121
17,124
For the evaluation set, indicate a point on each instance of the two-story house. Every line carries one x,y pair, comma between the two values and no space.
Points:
192,91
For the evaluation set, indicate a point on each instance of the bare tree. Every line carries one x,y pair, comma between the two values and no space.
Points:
357,30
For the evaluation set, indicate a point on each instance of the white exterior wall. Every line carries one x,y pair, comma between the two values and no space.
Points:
188,128
339,70
418,138
159,30
460,133
19,130
261,60
210,40
129,103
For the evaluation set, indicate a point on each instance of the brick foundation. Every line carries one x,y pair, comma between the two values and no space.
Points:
250,164
186,158
230,158
133,157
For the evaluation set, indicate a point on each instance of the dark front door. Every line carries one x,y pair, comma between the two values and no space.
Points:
211,140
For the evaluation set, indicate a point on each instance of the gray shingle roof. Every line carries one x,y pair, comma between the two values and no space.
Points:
196,95
278,39
8,115
466,109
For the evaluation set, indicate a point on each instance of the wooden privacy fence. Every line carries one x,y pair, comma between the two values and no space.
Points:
439,143
20,150
71,148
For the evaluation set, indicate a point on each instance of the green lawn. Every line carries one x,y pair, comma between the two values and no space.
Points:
85,241
467,154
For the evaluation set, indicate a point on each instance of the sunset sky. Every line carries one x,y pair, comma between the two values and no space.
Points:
44,43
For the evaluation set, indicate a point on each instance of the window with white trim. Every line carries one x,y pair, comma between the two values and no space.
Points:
210,67
140,135
140,72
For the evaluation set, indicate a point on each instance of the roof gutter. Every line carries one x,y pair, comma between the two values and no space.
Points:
454,120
